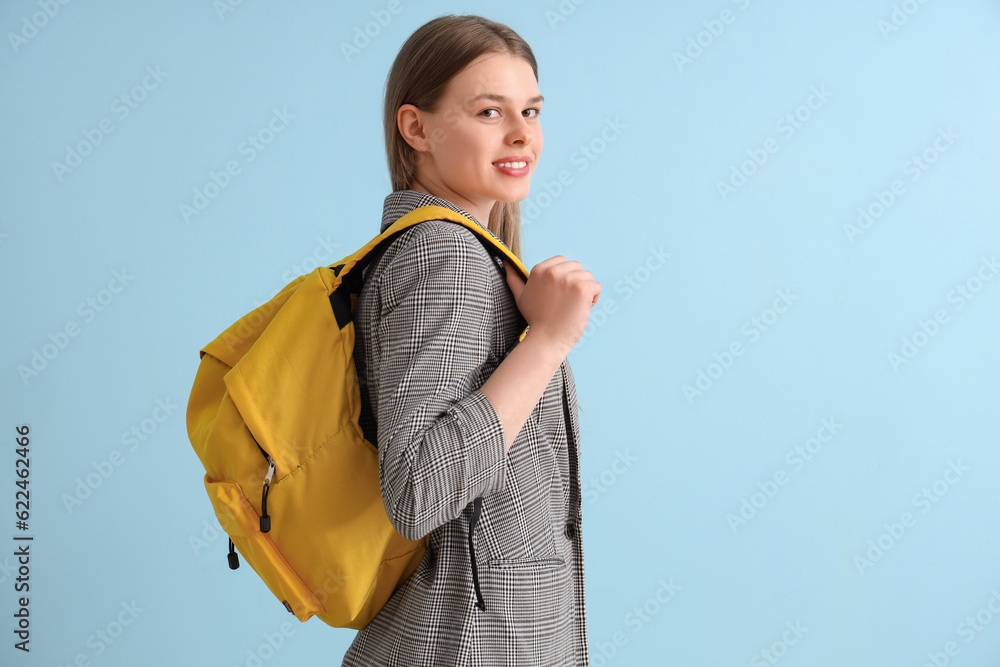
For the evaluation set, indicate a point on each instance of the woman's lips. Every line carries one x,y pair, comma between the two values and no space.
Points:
514,171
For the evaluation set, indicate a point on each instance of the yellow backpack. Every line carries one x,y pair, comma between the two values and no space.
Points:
273,416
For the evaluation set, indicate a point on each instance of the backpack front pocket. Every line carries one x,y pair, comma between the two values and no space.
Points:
238,518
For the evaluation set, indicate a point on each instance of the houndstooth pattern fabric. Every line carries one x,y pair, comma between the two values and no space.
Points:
433,321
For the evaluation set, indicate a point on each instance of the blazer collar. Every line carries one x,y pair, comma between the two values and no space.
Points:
401,202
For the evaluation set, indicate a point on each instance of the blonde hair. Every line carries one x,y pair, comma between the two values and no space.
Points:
433,54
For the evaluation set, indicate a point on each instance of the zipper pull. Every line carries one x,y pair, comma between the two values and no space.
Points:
234,560
265,519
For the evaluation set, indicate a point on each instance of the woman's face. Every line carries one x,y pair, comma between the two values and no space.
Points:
487,114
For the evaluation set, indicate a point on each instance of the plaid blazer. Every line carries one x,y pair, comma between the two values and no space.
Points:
433,321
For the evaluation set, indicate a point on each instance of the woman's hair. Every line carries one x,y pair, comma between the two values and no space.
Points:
437,51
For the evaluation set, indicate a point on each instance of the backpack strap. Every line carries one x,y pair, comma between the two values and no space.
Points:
359,260
351,269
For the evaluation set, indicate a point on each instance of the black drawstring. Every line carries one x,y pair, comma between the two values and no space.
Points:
574,500
234,560
265,518
477,506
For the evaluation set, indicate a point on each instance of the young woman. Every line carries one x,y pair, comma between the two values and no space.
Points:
477,433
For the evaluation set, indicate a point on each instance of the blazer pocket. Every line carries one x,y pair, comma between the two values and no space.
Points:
525,563
518,524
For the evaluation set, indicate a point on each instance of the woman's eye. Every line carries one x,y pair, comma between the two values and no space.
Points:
536,110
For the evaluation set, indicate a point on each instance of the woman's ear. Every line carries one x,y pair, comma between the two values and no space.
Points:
410,121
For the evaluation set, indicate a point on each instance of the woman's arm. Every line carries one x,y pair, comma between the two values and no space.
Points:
519,381
443,431
440,441
556,302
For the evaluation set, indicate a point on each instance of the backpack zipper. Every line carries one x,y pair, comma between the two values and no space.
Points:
265,519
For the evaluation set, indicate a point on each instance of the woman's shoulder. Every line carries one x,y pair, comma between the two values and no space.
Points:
437,252
437,242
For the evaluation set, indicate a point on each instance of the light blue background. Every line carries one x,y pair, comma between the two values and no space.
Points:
315,194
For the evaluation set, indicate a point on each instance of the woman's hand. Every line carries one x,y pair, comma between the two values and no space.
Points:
556,300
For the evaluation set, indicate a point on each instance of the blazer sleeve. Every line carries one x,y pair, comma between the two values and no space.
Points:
440,442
